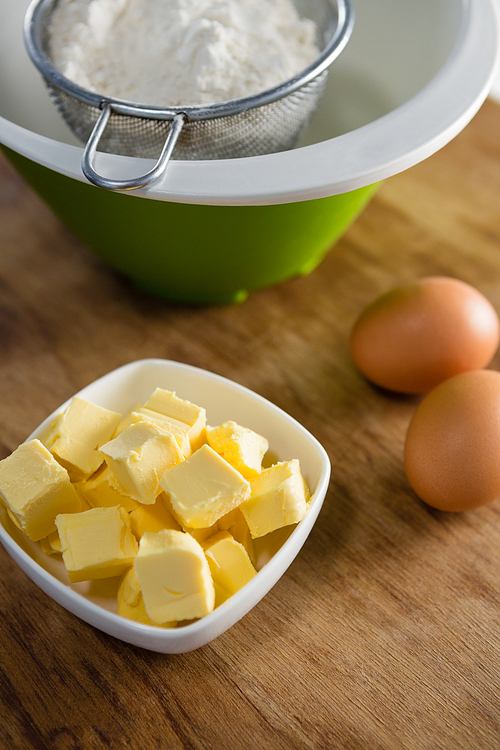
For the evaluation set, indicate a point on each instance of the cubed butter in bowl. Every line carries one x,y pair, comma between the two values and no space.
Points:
232,551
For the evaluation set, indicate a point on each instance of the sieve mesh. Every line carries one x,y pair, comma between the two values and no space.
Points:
272,127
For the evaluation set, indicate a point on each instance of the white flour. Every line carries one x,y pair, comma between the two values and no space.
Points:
176,52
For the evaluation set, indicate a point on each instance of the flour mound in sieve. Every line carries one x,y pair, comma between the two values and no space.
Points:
180,52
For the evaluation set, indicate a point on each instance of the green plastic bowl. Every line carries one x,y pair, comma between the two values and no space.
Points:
197,253
411,77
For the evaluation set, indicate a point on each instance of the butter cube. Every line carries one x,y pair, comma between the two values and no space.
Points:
278,498
97,543
202,534
80,430
180,430
152,518
137,459
199,534
51,544
46,547
125,422
54,541
170,405
131,602
84,503
34,487
229,564
174,577
14,519
244,449
235,523
99,491
203,488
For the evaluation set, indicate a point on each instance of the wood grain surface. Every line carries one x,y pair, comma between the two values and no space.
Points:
384,634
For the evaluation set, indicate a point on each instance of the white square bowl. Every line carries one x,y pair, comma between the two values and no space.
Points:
121,390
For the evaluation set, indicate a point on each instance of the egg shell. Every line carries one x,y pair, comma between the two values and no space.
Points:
412,338
452,448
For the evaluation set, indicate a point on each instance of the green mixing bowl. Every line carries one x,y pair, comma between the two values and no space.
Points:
197,253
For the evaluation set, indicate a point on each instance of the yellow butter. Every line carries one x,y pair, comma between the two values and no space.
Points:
180,430
54,541
80,430
243,448
278,498
14,519
131,603
174,577
199,534
100,492
46,547
35,488
84,503
138,457
125,422
97,543
203,488
51,544
170,405
229,563
202,534
152,518
235,522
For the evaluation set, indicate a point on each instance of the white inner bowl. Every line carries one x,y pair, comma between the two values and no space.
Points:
121,390
411,77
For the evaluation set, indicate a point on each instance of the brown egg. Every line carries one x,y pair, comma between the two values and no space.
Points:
416,336
452,449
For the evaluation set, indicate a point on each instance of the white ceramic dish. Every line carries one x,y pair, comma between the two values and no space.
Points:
411,77
223,399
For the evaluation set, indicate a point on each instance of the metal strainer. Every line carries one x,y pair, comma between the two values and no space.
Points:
263,123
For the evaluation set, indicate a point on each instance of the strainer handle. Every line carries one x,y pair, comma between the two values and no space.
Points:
134,182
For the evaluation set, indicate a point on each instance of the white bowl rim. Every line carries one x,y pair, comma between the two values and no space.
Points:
202,631
367,155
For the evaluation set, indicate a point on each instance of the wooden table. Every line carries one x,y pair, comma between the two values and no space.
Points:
385,632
